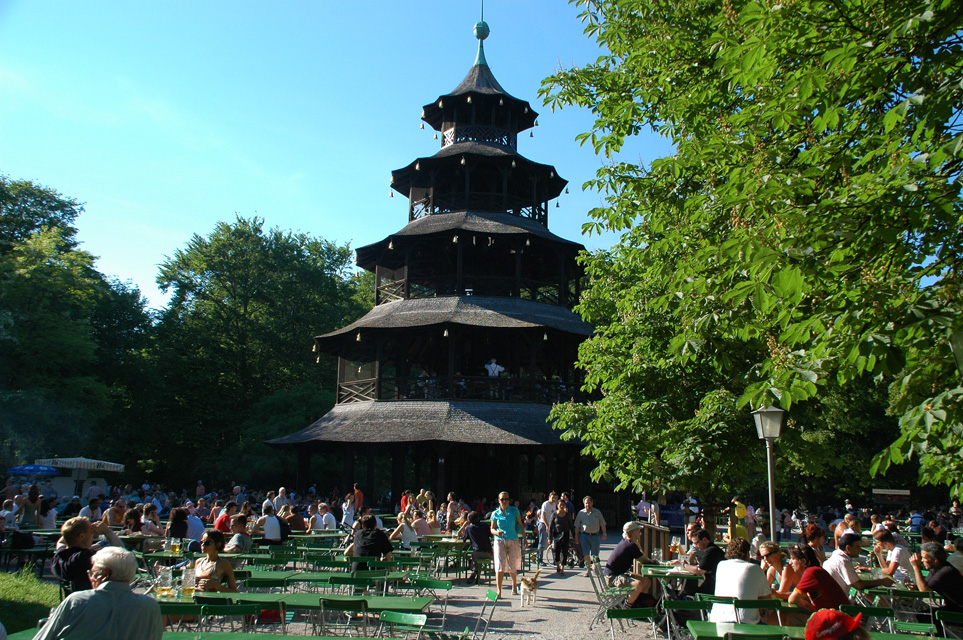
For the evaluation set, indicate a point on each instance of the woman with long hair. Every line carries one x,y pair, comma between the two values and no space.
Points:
151,524
177,525
30,507
816,588
48,515
347,511
815,537
213,573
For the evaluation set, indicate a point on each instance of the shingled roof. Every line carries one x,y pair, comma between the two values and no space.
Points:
477,311
480,222
429,420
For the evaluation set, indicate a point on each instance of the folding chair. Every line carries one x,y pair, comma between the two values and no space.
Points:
342,614
269,613
635,613
488,605
404,624
238,617
180,616
265,585
681,631
758,605
439,590
874,618
351,586
606,597
951,622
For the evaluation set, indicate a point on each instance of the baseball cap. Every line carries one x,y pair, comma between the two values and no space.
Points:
829,624
630,526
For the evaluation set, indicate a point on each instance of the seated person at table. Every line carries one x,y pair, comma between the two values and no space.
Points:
711,557
480,538
840,565
369,541
896,561
362,513
328,521
109,609
816,589
943,578
212,572
270,524
151,522
736,577
618,568
694,553
114,516
293,518
240,542
404,531
835,625
420,525
72,560
223,521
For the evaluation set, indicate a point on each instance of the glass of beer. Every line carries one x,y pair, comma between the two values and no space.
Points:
176,546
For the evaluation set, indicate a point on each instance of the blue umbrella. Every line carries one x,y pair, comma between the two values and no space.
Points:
33,470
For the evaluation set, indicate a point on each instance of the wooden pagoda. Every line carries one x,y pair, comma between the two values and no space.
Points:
475,275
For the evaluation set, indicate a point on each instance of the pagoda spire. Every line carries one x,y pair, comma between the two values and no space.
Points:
481,32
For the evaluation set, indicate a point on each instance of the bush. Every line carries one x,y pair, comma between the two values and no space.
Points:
24,599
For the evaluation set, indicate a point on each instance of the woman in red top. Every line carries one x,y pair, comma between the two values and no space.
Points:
816,589
223,523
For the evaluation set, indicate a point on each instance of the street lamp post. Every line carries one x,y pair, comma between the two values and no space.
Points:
768,424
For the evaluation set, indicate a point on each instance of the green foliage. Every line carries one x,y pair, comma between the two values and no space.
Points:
245,304
812,210
26,207
49,394
24,599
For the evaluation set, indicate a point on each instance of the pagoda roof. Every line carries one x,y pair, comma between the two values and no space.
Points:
402,179
480,222
458,421
478,311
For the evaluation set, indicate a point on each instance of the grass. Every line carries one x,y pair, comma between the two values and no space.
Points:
24,599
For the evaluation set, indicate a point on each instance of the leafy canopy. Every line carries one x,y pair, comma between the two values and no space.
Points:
812,210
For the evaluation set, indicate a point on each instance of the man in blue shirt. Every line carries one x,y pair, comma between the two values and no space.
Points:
509,533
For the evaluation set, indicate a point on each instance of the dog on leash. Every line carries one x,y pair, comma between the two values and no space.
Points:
530,589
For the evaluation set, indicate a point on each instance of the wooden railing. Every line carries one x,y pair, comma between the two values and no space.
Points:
484,388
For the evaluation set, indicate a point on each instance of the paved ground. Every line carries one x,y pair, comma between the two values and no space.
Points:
566,605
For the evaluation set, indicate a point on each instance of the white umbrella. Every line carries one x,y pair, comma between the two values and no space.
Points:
80,468
81,463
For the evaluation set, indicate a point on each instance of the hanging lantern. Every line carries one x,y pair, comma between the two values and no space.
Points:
422,125
357,338
463,160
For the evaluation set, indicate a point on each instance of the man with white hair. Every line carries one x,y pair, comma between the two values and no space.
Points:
110,609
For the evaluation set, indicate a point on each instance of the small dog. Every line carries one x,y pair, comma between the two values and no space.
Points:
530,589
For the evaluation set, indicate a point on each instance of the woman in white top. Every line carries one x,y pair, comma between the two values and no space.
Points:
48,515
404,531
347,511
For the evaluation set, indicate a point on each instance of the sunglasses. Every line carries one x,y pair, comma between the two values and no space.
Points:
205,543
768,555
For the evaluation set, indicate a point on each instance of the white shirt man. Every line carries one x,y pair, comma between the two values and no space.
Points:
92,511
736,577
493,368
840,565
327,518
281,500
549,507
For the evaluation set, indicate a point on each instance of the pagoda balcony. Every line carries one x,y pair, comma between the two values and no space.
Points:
480,133
507,287
474,388
478,201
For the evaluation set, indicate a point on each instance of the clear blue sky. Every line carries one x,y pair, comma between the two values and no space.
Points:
167,117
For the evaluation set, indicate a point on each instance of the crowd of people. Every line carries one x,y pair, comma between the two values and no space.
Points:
816,572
